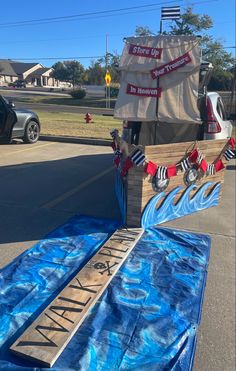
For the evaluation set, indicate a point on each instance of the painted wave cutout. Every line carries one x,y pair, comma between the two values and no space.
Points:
168,210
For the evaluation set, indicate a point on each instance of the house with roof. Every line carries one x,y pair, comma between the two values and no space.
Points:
7,74
43,77
34,74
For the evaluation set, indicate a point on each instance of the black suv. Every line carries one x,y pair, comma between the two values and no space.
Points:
17,123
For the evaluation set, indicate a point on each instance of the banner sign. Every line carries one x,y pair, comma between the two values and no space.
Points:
171,66
143,92
145,51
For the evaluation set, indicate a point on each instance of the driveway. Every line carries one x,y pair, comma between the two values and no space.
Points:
43,185
216,338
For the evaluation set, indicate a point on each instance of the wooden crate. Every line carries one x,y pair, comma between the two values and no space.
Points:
138,187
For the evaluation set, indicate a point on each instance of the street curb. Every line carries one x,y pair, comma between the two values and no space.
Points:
64,139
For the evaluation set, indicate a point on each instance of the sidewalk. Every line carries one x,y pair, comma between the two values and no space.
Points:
65,139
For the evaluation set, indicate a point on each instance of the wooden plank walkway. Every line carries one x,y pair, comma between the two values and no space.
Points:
47,336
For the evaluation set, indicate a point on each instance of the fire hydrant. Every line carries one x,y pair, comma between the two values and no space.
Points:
88,118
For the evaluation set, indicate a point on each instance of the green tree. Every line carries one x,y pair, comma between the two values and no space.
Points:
111,62
95,74
213,51
143,31
191,23
75,72
69,71
60,72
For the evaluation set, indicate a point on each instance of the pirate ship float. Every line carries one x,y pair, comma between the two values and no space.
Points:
166,166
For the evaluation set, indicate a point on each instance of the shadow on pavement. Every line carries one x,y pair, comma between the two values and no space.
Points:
36,197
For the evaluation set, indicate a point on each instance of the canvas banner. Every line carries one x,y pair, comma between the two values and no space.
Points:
176,73
133,107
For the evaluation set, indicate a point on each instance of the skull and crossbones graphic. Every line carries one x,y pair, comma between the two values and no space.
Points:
102,267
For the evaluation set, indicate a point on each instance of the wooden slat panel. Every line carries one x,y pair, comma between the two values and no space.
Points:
134,200
48,335
135,210
133,221
139,184
203,145
179,153
134,189
178,181
148,192
175,155
174,159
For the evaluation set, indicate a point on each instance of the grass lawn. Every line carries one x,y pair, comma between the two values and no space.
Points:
73,124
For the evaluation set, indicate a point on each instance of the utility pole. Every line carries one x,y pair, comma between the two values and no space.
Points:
107,87
160,27
106,50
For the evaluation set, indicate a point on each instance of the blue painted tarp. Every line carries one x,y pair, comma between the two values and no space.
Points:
147,318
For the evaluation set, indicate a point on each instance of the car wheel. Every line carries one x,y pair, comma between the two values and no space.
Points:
31,134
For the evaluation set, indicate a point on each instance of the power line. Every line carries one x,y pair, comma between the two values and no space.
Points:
56,58
78,38
84,57
62,39
87,18
72,17
91,15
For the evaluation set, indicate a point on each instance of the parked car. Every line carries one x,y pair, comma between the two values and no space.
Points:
18,84
18,123
215,125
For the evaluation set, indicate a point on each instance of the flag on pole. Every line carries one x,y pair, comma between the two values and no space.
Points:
170,12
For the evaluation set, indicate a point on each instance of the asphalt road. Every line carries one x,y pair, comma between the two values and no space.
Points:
216,337
43,185
91,90
15,95
63,108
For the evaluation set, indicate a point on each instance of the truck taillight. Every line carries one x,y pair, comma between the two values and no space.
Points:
213,125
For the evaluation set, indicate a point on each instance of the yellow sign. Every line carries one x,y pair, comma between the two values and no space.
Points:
108,78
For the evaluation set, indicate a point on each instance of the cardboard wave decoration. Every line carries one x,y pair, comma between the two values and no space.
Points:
168,210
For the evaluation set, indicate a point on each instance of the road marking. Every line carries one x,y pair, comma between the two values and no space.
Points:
28,149
67,194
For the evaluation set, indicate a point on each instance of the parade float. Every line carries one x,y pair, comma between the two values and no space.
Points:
166,167
96,295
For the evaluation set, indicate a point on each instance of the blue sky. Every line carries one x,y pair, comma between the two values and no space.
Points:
86,36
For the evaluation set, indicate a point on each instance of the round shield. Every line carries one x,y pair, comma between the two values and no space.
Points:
159,184
191,176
